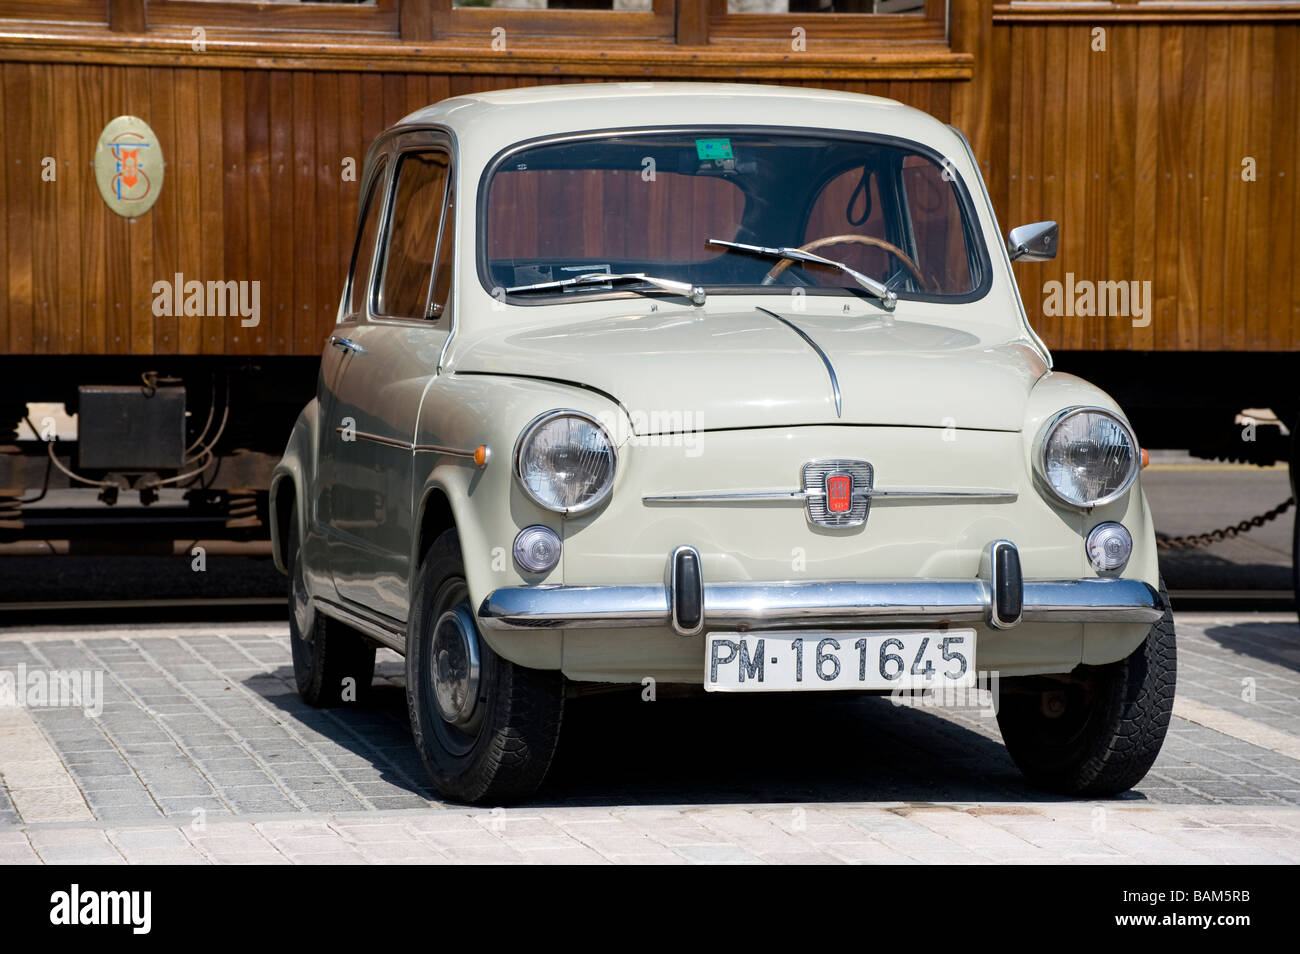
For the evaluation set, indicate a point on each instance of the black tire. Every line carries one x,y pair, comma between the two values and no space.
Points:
332,664
1107,723
500,751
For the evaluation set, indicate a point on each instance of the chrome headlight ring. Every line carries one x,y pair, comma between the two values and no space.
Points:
531,430
1043,444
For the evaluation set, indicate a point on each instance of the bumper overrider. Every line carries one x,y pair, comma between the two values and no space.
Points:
998,595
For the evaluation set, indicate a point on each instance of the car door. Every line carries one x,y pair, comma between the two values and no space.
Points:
387,354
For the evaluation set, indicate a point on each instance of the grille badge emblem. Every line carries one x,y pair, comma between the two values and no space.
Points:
837,492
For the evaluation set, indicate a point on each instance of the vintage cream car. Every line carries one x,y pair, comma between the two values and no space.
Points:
721,385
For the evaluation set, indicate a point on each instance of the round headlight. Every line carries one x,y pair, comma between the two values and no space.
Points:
1087,456
564,461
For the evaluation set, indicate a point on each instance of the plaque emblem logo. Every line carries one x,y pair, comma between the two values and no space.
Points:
129,166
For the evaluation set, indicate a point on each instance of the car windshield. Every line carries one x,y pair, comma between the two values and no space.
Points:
652,202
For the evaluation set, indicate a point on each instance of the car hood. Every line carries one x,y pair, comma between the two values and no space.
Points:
756,368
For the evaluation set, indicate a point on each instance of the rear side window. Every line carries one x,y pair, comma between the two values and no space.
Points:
411,251
364,252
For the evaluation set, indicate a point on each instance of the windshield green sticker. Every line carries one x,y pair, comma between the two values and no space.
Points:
709,149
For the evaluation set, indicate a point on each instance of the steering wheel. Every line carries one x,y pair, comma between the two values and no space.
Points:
815,244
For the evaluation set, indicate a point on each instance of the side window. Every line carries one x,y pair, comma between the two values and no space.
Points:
364,252
411,249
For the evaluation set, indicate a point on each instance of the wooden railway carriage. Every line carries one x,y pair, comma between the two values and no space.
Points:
1162,136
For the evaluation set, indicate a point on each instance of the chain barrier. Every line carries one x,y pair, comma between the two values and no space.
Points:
1225,533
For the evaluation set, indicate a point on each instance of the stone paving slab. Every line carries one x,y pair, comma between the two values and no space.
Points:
758,834
201,751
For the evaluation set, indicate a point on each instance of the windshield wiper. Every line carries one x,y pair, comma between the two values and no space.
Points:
694,292
888,298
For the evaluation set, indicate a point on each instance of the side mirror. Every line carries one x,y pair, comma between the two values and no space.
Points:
1033,243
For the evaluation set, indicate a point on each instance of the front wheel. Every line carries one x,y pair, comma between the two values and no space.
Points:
1098,730
485,728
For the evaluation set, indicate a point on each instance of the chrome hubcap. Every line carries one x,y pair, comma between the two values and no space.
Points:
455,658
304,613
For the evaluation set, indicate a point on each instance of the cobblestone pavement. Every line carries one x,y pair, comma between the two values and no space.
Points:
203,752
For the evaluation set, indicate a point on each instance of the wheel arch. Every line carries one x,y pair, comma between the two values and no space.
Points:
289,479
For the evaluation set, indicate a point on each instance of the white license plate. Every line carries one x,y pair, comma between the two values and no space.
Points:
795,661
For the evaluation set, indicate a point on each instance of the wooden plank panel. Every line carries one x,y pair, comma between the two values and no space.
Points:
164,220
94,213
212,210
1237,199
187,185
44,226
330,269
305,246
351,146
1096,188
236,185
372,110
275,333
5,168
23,179
1145,175
1054,124
1288,41
1282,243
70,176
394,98
997,150
1189,139
143,231
1080,330
1218,168
1261,192
118,231
1122,62
1030,135
1169,169
1136,151
258,123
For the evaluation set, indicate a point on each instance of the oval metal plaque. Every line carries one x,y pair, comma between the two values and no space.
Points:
129,166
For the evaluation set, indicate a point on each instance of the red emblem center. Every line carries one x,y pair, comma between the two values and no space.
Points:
839,493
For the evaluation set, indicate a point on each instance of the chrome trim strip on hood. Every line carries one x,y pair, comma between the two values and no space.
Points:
830,368
800,496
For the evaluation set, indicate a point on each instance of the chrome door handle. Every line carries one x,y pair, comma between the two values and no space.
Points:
346,344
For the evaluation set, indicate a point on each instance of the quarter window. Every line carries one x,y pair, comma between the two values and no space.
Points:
364,253
408,288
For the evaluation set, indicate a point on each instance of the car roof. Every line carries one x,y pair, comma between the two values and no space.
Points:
503,117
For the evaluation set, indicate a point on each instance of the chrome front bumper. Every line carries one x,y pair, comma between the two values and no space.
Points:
747,605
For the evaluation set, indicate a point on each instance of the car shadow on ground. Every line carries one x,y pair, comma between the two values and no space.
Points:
616,749
1270,642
